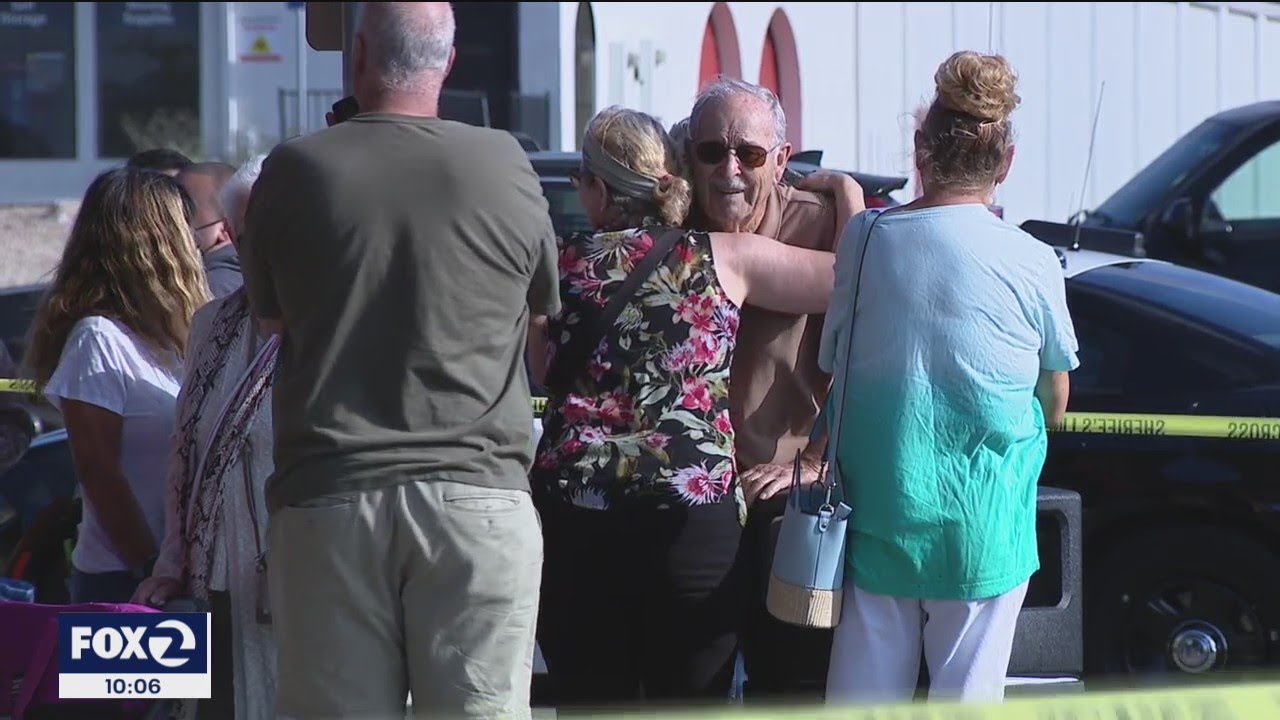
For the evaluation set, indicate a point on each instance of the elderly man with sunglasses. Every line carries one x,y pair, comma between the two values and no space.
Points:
736,140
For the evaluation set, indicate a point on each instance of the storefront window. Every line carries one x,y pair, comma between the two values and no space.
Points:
148,77
37,80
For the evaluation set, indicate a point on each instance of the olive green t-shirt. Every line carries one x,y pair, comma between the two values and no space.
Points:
403,256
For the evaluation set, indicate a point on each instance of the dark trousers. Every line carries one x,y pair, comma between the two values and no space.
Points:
105,587
783,662
639,605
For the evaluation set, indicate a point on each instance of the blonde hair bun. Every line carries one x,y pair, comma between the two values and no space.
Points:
641,144
983,86
674,197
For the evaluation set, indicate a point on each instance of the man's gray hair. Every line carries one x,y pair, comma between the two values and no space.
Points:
723,88
402,46
237,188
680,132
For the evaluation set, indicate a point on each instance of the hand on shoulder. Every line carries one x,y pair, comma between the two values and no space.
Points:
829,181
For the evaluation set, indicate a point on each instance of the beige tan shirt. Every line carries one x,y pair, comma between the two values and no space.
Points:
775,386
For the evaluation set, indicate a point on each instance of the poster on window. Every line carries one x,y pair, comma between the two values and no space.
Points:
260,39
37,80
148,77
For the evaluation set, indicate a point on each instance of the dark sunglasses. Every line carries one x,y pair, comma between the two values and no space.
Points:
713,152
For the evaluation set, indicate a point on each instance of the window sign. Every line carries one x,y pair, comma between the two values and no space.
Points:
148,77
37,80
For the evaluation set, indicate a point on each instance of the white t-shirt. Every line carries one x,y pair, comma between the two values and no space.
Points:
105,364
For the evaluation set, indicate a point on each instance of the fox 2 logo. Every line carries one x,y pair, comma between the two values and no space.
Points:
121,643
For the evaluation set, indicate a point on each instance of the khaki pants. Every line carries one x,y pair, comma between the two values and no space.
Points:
427,587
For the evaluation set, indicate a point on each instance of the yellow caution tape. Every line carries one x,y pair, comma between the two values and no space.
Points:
1198,426
23,387
1235,702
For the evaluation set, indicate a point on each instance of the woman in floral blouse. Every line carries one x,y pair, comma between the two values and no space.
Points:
634,476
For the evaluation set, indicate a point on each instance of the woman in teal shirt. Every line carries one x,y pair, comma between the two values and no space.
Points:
950,342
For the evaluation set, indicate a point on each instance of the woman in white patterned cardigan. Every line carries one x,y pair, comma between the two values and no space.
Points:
216,524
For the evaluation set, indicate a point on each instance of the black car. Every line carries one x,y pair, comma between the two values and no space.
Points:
1181,534
1211,199
18,306
567,215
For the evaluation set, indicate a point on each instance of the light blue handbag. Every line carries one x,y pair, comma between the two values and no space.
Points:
806,583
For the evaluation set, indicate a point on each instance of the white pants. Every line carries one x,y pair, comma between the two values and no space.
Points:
875,655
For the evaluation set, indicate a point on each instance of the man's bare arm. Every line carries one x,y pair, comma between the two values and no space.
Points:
537,348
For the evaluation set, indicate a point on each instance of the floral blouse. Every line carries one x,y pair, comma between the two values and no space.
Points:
647,420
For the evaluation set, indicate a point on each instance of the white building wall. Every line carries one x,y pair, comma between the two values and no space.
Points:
867,67
253,86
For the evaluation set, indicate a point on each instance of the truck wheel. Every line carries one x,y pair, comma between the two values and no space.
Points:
1192,601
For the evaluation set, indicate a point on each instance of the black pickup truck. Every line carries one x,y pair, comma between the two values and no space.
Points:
1211,200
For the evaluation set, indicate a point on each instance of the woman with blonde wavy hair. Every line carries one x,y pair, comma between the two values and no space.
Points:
634,477
108,344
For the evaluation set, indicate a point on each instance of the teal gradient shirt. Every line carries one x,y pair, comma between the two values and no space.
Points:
940,441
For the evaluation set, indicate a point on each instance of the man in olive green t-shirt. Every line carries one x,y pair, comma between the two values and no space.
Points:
402,258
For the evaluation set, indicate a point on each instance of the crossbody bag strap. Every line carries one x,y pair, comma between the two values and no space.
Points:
828,454
573,357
